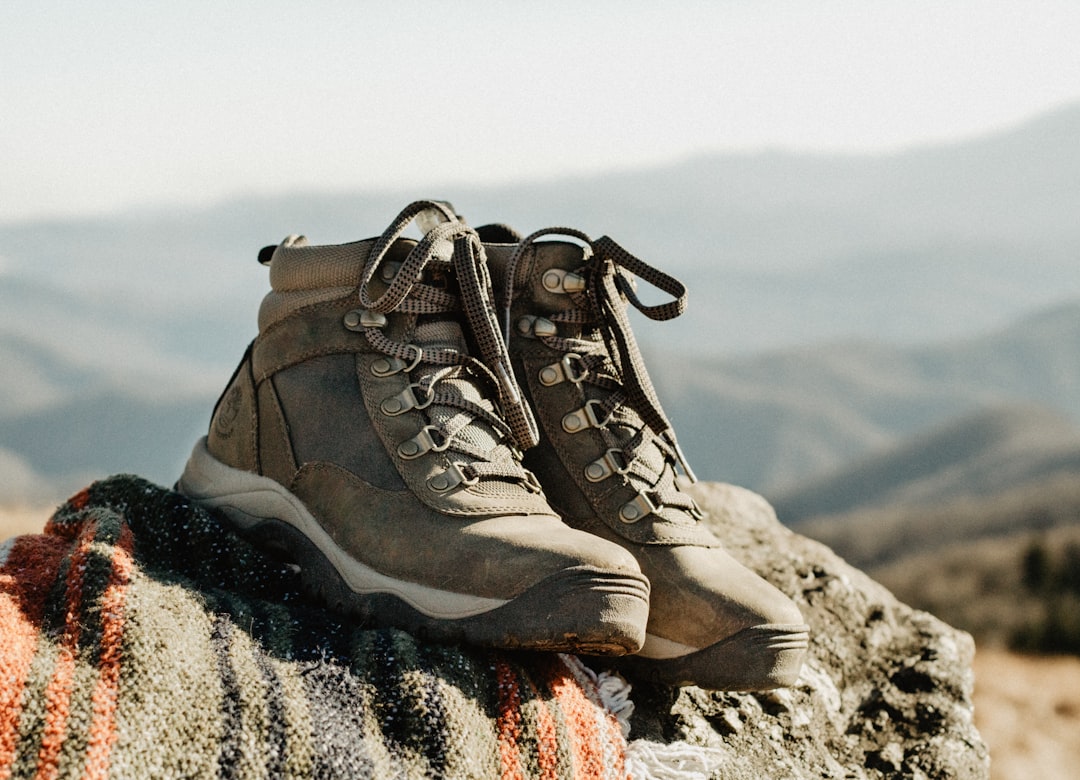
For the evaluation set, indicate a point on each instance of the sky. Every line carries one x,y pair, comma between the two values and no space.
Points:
108,106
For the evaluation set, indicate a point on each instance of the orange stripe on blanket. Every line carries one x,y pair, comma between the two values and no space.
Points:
580,723
103,733
608,728
509,721
58,691
80,499
25,577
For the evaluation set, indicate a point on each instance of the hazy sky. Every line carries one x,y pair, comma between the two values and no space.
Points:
107,105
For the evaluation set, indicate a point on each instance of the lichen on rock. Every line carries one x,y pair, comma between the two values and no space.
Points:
886,690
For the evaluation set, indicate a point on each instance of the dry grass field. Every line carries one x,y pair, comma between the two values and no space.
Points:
1026,708
1028,711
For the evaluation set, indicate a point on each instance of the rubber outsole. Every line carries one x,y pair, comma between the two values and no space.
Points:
579,609
758,658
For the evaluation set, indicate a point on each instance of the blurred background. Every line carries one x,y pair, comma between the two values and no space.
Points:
876,208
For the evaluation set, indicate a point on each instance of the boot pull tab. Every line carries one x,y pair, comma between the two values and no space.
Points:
439,211
266,254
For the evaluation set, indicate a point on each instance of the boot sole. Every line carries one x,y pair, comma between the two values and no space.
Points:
580,609
758,658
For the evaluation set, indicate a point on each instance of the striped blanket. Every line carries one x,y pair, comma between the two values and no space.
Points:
140,638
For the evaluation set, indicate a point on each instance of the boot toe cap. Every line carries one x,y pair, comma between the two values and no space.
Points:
716,624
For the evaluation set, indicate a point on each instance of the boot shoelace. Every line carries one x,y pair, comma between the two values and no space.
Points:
611,360
441,368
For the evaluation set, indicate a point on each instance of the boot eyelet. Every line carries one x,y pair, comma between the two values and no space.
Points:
596,472
611,462
389,270
535,327
544,328
532,483
388,366
525,325
556,280
585,417
574,422
372,319
409,449
417,356
423,443
640,507
393,406
361,319
451,478
563,371
406,401
573,283
550,375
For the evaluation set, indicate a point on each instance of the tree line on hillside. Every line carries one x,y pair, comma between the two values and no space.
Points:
1055,580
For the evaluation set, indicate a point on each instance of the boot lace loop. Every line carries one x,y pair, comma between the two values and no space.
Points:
615,364
451,246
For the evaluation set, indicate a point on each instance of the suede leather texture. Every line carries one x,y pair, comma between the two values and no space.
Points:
699,594
304,409
497,557
232,437
291,357
323,395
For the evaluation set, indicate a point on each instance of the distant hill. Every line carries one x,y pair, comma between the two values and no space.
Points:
986,453
779,249
978,585
779,419
67,418
838,304
883,536
969,560
100,435
819,431
139,338
22,486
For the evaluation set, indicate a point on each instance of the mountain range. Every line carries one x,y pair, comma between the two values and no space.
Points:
839,305
784,418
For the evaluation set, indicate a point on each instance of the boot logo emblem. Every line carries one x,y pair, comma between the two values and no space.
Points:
230,410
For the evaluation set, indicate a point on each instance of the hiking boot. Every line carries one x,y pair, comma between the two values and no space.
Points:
373,433
607,459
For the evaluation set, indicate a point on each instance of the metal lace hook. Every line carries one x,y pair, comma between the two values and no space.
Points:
515,257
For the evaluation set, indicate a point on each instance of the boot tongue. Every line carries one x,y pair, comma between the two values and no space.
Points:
447,334
498,234
441,334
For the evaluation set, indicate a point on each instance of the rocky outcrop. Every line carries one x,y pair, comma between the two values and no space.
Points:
141,637
886,690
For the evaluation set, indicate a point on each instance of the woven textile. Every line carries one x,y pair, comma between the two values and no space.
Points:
139,637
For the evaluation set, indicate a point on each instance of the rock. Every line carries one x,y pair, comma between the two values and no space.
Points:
886,690
167,596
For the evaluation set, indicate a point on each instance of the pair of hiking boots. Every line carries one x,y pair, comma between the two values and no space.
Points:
380,433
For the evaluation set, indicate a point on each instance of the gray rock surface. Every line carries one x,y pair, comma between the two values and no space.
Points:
886,691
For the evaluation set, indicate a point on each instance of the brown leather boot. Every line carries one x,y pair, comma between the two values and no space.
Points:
607,459
373,432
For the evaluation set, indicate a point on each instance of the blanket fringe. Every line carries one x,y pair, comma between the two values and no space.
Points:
647,760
